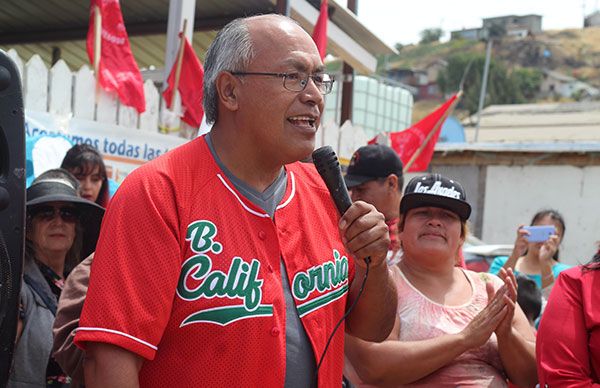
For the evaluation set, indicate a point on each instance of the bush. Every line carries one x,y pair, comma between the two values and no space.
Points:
503,88
528,81
431,35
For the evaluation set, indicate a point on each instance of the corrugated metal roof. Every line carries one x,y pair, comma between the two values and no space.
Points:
148,50
37,27
557,147
540,123
22,20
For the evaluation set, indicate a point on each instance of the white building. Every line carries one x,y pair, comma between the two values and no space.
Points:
558,84
592,20
530,157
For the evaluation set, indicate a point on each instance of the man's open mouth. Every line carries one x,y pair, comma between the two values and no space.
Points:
303,121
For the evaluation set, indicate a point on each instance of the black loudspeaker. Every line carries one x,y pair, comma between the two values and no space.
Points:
12,207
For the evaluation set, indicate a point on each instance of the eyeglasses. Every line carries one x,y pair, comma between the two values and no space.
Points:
297,82
47,213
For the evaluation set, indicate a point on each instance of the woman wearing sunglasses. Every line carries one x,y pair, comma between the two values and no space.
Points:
61,229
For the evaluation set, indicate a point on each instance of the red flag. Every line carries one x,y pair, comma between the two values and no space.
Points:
407,142
118,70
191,80
320,31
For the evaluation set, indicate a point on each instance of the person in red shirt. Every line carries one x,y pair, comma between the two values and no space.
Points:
224,262
568,339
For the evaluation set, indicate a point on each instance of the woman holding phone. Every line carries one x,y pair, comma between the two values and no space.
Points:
536,260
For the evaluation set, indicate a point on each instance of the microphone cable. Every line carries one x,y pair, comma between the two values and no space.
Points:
328,167
360,291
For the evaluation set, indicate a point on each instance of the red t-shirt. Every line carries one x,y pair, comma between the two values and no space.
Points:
186,275
568,339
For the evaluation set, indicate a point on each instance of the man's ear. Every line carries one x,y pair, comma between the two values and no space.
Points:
392,182
227,90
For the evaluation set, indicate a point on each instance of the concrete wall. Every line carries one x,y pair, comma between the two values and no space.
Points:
470,34
592,20
513,194
532,22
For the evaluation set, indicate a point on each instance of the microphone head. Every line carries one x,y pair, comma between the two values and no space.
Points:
328,167
325,159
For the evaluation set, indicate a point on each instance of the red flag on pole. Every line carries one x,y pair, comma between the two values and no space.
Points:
410,141
191,80
320,31
118,70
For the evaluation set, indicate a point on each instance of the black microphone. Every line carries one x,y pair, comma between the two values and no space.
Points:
328,167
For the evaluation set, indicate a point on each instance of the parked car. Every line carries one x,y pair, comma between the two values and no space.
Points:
479,255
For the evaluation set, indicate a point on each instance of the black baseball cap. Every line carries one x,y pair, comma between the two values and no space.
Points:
371,162
437,191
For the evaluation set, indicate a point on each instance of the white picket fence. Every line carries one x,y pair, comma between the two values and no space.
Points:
65,93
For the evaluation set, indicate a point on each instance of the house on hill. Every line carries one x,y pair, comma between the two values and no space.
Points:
468,33
592,20
512,25
422,80
558,84
515,25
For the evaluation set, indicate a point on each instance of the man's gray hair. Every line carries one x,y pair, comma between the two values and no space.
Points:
231,50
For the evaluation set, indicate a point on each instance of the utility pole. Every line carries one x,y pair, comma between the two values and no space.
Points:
348,79
282,7
486,69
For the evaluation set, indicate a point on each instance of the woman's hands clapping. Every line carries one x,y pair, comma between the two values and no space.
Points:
497,316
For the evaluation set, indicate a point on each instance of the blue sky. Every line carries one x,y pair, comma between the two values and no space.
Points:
401,20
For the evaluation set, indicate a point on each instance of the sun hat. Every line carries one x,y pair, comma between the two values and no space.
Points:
59,185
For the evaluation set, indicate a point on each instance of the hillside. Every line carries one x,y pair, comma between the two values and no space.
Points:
574,52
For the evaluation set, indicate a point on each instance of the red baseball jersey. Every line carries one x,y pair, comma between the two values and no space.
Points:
187,275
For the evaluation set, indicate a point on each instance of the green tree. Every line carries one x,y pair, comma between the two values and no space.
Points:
502,87
430,35
398,46
528,81
496,31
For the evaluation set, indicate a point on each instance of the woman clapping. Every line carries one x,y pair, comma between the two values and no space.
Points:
453,327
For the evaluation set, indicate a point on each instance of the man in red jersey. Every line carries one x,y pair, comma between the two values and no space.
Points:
224,262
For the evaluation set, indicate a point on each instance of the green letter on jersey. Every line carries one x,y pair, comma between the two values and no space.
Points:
330,277
201,234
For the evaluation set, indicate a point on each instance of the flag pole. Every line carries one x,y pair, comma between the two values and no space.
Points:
178,63
97,46
432,132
